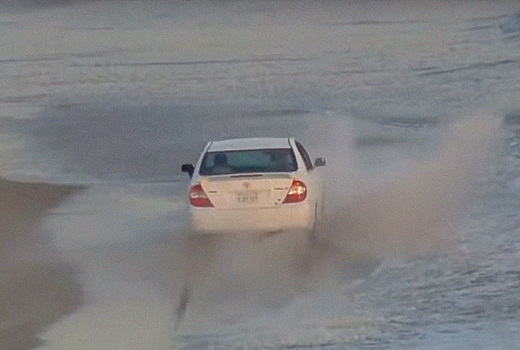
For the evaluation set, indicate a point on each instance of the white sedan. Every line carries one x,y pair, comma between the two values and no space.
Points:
260,185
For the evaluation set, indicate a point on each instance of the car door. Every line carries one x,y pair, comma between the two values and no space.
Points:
314,180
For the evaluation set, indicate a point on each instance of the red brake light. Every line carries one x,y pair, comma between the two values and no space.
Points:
198,197
297,192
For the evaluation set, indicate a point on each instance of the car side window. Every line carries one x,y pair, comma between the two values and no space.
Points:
306,159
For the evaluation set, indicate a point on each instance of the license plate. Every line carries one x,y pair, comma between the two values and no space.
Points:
247,198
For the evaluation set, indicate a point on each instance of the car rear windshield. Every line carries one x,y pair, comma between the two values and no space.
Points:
248,161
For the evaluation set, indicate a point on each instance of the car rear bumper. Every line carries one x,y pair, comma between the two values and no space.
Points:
284,217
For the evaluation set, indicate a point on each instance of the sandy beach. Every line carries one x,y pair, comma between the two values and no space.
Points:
37,287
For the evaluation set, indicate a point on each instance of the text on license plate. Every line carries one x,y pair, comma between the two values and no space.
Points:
247,198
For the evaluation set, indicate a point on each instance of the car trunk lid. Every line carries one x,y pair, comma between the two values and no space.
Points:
246,191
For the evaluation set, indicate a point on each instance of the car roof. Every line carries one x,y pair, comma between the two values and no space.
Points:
249,143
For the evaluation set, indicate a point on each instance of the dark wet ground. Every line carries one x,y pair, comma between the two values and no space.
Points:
37,287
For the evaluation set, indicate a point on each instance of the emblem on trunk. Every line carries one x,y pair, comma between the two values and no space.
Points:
246,185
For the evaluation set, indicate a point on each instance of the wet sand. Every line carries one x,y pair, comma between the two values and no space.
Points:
37,286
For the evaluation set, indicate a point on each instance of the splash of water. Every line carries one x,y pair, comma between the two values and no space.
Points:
414,210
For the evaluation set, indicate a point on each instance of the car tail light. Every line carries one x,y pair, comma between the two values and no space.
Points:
297,192
199,198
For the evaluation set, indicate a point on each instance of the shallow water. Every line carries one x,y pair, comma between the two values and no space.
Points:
413,106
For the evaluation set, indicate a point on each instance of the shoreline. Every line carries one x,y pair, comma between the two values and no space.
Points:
37,287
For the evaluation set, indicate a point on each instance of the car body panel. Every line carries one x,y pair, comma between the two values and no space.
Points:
264,220
256,191
248,143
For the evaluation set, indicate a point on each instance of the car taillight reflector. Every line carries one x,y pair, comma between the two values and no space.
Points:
199,198
297,192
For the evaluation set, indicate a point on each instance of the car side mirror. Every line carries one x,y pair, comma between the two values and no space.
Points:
320,162
188,168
